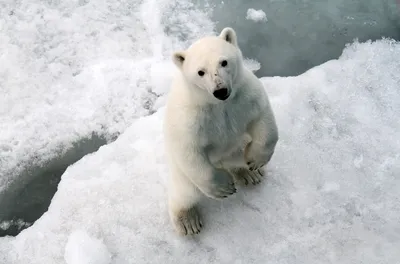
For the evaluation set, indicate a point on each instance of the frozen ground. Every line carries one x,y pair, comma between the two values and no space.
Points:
332,194
72,69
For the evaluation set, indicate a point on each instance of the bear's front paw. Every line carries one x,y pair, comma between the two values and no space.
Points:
254,163
221,185
245,176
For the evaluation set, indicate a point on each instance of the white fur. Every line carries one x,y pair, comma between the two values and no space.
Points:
207,138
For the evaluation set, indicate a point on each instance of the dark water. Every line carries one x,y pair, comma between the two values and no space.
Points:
301,34
22,204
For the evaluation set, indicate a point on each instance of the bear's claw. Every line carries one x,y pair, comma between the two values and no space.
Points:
253,166
246,176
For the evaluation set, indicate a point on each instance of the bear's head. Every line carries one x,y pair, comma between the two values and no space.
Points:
212,65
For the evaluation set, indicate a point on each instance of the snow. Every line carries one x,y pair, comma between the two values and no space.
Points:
256,15
83,249
332,194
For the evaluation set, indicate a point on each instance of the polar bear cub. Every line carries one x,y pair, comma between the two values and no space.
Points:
219,127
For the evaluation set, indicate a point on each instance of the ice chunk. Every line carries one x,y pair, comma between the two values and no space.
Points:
18,224
84,249
256,15
252,65
315,205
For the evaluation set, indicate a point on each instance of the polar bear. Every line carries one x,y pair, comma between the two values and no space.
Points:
219,127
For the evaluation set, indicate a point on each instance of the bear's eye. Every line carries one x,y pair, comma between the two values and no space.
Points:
201,73
224,63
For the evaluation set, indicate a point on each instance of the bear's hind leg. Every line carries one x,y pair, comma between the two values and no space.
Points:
187,221
183,197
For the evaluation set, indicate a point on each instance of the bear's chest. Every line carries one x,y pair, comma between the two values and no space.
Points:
222,126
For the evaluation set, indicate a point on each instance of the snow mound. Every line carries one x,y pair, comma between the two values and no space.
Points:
84,249
256,15
332,194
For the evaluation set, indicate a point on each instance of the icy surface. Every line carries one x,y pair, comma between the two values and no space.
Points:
71,69
332,194
256,15
83,249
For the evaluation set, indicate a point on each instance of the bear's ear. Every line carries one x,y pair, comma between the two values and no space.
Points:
178,58
229,35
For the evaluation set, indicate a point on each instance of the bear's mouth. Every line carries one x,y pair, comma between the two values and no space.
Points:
221,94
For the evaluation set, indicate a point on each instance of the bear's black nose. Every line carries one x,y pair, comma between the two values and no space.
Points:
221,94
